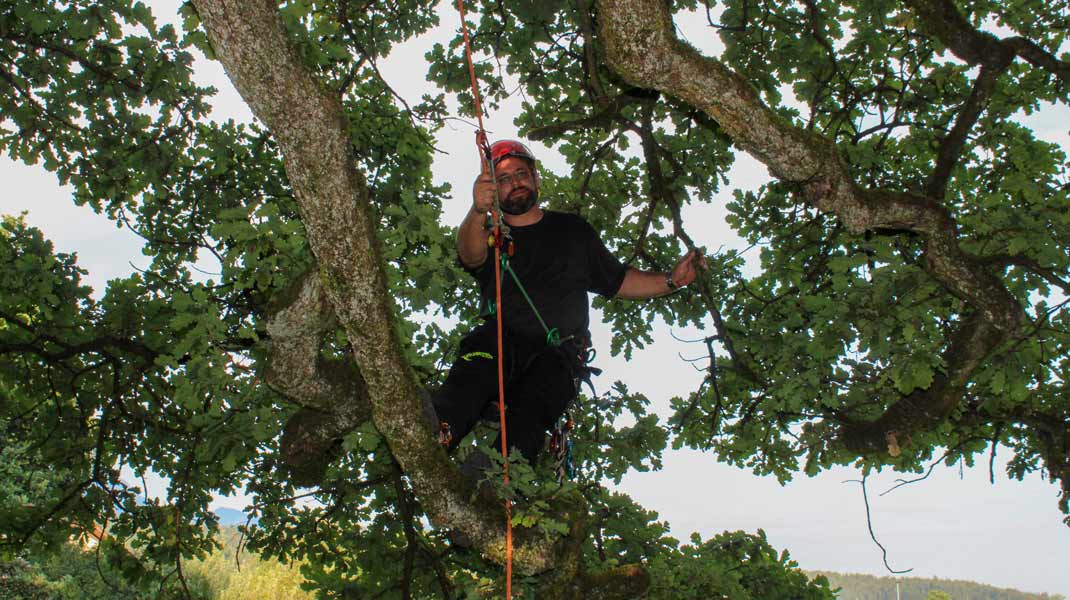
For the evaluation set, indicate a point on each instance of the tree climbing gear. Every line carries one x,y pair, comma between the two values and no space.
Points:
503,149
561,448
504,247
553,336
499,233
445,435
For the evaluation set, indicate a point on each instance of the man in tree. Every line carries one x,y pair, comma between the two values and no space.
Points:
556,258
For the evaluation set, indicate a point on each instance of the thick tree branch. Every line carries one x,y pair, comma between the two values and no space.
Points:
952,145
1039,57
105,345
1056,279
332,392
296,368
640,44
926,408
607,118
620,583
591,64
943,19
311,128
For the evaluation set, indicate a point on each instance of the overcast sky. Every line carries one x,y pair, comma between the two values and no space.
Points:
954,525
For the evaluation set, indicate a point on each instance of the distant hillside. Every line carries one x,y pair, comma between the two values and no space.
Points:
231,516
869,587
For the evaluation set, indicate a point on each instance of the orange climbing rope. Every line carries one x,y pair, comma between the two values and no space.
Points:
484,149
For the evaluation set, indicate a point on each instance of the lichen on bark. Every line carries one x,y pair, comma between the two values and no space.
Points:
311,128
640,44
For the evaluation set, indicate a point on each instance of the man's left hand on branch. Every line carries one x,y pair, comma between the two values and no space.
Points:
638,285
560,258
686,270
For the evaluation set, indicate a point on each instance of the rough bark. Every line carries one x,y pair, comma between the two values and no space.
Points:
311,128
640,44
333,393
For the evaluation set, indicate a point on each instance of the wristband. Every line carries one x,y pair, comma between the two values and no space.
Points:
669,282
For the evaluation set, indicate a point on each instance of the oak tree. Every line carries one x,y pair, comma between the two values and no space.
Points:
907,298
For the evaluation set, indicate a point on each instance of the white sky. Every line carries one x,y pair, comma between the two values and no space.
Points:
952,527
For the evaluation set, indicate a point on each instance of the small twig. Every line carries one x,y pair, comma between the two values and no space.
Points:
691,360
992,454
991,464
715,422
901,482
410,533
241,542
698,341
178,567
96,555
742,22
202,271
711,378
445,587
869,524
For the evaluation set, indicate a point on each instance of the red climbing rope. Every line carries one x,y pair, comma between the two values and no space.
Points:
484,149
472,74
501,418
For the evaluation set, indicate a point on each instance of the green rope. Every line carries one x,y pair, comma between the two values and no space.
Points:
553,336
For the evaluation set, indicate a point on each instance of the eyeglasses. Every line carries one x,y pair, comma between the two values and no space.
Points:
514,178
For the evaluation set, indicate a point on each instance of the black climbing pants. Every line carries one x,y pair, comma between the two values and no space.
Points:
540,381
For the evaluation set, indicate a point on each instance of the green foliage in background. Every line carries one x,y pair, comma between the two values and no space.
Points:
818,329
71,572
815,329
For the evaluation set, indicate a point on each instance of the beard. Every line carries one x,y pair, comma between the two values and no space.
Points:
519,201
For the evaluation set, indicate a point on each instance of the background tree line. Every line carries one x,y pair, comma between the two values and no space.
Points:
855,586
906,304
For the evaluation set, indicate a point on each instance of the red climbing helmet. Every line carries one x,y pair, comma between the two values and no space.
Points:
503,149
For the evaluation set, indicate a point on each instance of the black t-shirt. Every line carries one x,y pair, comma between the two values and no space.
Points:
558,260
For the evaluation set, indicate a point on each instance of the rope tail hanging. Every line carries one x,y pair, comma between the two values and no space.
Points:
496,241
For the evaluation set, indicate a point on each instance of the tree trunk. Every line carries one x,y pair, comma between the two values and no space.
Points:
311,128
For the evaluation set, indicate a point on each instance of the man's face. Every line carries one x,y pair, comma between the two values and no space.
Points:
518,185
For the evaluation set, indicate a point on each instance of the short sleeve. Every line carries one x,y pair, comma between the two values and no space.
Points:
605,271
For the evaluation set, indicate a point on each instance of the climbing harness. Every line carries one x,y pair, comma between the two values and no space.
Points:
553,336
499,234
501,240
